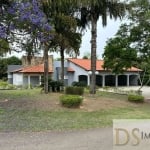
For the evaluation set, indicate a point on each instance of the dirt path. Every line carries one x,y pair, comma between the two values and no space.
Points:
93,139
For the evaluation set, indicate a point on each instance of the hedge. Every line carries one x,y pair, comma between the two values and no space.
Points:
71,101
72,90
136,98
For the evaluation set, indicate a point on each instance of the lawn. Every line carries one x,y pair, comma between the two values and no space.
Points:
29,110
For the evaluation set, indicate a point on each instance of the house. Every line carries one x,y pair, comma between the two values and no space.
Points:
28,74
80,70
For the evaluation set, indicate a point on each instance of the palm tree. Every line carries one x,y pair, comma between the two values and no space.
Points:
91,11
68,40
65,38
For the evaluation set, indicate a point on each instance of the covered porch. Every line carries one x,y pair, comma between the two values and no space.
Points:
103,80
32,80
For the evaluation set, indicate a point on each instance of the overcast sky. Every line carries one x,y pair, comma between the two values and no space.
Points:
103,34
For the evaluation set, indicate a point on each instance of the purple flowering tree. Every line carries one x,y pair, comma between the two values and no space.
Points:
4,46
31,18
26,16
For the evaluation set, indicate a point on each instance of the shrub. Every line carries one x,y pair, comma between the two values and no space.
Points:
55,85
71,101
11,87
3,84
79,84
74,90
136,98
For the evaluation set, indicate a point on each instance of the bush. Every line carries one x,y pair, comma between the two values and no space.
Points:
136,98
11,87
54,86
74,90
79,84
71,101
5,85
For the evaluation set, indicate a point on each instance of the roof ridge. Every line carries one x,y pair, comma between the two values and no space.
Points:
84,59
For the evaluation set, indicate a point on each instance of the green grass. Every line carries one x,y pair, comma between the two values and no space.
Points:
35,119
17,94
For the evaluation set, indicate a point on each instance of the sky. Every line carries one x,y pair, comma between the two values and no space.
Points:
103,34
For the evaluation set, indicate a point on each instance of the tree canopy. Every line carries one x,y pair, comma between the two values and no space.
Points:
131,45
119,55
4,62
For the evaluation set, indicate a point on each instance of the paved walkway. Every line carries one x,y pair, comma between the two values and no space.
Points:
93,139
145,90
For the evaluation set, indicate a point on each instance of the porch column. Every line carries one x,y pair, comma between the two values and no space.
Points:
29,82
89,79
103,80
128,80
116,81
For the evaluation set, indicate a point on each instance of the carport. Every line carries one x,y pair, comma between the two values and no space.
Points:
83,79
122,80
110,80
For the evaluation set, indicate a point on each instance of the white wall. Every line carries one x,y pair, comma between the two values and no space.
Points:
17,78
78,71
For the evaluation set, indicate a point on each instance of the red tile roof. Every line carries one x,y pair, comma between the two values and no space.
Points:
86,64
33,69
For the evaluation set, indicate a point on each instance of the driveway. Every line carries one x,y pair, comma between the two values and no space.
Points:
145,90
93,139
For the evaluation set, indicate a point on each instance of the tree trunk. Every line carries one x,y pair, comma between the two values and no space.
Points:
93,55
46,68
62,64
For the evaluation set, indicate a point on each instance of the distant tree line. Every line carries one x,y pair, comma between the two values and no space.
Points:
4,62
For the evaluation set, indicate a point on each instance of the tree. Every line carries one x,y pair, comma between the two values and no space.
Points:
65,36
118,55
90,12
68,39
144,78
4,62
4,19
139,28
87,55
13,60
28,45
4,47
28,18
131,45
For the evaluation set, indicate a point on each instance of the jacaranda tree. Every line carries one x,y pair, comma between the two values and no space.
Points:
27,16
